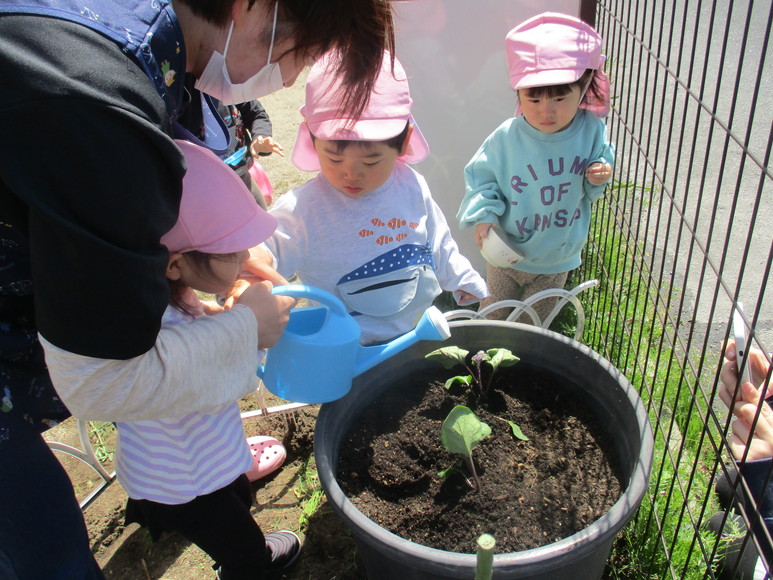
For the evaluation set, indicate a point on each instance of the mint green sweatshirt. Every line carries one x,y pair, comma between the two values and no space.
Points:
533,185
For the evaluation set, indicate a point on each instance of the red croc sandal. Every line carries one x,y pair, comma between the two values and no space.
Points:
268,455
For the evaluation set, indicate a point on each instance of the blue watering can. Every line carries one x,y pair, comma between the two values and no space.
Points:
319,352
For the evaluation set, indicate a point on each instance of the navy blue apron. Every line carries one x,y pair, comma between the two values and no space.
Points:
148,31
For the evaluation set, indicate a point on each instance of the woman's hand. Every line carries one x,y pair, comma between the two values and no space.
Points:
760,441
271,311
758,370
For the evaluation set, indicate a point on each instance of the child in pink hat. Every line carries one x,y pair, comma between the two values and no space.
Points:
536,176
190,473
366,228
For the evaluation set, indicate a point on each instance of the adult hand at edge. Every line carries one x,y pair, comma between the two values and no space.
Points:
760,441
758,370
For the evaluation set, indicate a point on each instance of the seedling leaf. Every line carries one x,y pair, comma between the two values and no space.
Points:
501,357
517,431
448,356
462,431
442,474
459,379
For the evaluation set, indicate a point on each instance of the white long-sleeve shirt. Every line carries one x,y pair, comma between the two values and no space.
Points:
180,369
386,254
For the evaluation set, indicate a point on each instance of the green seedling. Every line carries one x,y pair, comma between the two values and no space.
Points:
516,429
461,432
443,473
450,356
100,434
497,357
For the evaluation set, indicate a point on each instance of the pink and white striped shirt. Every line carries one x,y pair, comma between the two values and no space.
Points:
174,460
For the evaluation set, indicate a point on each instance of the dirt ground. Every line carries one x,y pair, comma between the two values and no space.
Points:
282,501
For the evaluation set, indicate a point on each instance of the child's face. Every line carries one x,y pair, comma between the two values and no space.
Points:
361,167
218,278
550,114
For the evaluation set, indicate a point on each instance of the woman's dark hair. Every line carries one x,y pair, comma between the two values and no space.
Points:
360,30
550,92
200,262
395,142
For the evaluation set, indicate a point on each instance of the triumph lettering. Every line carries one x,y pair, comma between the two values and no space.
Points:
517,184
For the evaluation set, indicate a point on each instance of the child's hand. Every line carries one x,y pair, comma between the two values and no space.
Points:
464,298
261,265
211,307
481,232
262,144
239,286
598,173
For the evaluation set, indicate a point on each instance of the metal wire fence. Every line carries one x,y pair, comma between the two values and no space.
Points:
682,238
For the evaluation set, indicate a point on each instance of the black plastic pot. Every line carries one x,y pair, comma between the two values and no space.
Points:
580,556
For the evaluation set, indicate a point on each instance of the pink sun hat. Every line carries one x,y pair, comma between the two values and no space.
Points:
556,49
385,116
218,214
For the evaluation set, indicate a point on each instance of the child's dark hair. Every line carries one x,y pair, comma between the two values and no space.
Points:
395,142
201,262
552,91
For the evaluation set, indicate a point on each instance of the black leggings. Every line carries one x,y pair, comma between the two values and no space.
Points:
220,523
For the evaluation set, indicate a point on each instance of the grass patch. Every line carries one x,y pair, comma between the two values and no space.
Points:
309,491
102,436
630,324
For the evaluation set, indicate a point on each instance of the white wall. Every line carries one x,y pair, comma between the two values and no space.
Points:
453,53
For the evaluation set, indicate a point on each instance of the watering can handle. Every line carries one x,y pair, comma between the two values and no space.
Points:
311,293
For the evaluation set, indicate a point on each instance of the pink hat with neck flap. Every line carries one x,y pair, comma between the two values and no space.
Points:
385,116
218,214
556,49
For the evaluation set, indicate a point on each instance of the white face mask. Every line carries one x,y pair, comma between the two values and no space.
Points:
216,82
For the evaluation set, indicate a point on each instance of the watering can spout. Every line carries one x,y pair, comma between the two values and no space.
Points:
432,326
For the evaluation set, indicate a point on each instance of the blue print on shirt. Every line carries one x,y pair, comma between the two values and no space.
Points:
392,261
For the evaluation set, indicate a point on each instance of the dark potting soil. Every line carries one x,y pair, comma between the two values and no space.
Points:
533,492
